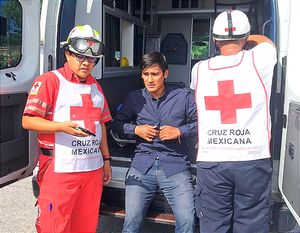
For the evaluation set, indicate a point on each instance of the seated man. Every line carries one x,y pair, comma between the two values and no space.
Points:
161,117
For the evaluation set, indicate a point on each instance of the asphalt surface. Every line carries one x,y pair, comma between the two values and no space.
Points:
18,212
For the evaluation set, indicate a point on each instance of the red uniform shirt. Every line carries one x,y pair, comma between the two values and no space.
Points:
42,98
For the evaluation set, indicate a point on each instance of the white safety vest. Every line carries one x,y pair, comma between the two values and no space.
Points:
82,104
233,109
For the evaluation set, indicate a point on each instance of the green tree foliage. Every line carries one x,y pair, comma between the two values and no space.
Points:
12,10
11,38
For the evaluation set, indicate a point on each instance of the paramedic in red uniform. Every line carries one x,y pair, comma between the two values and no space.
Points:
73,164
233,192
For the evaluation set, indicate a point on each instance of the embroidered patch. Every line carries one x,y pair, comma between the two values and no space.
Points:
35,88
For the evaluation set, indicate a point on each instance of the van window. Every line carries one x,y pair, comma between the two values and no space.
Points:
147,12
121,4
124,41
112,41
200,43
11,33
136,8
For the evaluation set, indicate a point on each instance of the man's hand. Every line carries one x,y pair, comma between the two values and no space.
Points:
70,127
107,173
42,125
254,40
147,132
168,133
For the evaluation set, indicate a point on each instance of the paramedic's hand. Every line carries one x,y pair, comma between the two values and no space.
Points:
69,127
254,40
148,132
107,174
168,133
42,125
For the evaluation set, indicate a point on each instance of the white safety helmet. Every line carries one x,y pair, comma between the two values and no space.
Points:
83,39
231,25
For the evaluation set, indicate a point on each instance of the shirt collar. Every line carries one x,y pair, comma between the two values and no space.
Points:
166,91
70,76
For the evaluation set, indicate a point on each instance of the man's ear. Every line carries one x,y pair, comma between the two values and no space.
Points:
67,55
166,74
216,43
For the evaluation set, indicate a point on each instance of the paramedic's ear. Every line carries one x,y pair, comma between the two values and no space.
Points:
217,49
216,43
67,54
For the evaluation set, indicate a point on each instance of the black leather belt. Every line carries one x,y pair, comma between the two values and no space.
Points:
46,151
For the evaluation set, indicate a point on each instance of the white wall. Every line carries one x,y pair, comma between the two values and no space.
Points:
173,24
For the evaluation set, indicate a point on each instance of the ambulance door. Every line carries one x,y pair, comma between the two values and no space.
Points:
19,64
57,20
289,171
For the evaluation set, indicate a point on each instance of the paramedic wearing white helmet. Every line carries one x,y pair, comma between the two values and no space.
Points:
68,109
232,90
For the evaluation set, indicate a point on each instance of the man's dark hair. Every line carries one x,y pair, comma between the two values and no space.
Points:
154,58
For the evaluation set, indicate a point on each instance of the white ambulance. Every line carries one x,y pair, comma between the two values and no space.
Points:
181,29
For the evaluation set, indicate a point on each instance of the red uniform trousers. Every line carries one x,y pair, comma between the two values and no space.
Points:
68,202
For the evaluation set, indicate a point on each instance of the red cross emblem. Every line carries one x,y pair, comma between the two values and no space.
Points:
36,85
86,112
233,29
227,102
90,42
35,88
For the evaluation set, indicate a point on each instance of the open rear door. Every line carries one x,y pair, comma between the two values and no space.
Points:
289,173
19,65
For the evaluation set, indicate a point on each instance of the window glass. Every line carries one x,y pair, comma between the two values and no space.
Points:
109,3
184,3
200,46
112,41
175,3
10,33
194,4
147,11
122,4
136,8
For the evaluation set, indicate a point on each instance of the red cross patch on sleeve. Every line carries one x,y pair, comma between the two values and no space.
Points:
35,88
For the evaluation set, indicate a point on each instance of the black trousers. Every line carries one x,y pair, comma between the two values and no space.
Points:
234,196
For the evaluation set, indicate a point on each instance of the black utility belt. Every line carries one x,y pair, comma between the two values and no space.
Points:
46,151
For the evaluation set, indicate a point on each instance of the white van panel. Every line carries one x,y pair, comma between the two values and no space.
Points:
29,64
13,94
289,171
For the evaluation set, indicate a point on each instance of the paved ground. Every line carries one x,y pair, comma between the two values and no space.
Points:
18,213
17,209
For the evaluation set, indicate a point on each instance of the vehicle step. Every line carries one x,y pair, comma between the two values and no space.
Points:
156,217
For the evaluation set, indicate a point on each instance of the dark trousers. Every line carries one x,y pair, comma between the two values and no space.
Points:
234,196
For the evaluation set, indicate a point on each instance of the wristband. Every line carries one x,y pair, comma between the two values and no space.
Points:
106,156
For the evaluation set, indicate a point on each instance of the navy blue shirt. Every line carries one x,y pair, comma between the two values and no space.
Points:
175,108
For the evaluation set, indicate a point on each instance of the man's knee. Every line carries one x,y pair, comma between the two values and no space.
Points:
185,214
